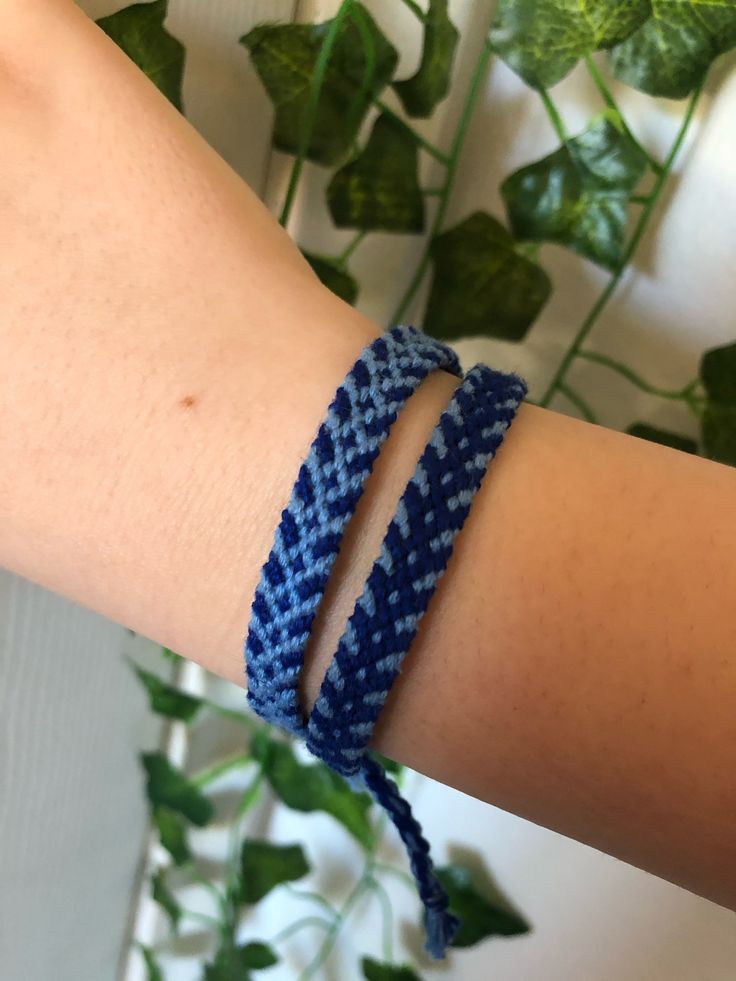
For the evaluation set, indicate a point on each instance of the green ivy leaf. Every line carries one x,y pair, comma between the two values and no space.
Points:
718,374
542,40
481,284
171,655
390,766
257,956
226,966
718,422
431,82
333,277
166,700
378,190
172,834
578,195
169,787
375,971
313,787
670,54
285,56
223,972
644,431
153,971
235,963
263,866
139,30
718,429
165,898
482,915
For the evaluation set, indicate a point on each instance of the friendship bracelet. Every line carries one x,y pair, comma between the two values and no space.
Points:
324,497
413,556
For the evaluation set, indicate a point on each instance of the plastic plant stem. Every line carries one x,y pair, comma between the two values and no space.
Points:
358,18
247,800
250,796
387,915
398,873
607,96
233,715
680,394
298,925
215,770
639,229
364,883
310,114
313,897
478,74
209,921
350,248
554,115
578,401
361,886
418,139
415,9
211,888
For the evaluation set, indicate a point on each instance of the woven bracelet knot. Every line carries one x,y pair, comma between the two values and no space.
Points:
412,559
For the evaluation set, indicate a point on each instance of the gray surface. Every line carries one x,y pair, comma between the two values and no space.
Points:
72,813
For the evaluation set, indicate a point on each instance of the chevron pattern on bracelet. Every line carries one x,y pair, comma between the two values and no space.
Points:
324,497
413,557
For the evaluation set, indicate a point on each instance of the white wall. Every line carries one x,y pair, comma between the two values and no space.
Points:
71,813
71,719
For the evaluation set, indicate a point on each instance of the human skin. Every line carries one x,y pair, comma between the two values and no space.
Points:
166,358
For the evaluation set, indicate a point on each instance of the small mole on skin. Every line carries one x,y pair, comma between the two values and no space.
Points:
188,401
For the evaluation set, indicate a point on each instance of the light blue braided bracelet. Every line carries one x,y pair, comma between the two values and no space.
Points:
413,557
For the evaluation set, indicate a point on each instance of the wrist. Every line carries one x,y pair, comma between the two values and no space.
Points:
365,531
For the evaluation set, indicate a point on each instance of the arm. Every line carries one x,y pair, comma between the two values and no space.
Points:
167,356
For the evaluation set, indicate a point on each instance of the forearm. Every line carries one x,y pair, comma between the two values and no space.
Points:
166,359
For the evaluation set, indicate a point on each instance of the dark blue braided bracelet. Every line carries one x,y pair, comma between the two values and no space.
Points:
323,499
413,557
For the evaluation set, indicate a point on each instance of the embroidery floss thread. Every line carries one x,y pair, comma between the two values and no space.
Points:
386,617
324,497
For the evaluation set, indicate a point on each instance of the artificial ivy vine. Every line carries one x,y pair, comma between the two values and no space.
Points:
486,278
596,194
180,802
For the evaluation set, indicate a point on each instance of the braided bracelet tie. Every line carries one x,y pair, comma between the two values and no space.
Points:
413,557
